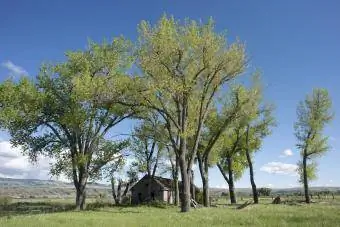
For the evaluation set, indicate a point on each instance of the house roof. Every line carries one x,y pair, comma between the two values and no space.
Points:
165,183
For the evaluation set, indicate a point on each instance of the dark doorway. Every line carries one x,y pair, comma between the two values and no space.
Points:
140,197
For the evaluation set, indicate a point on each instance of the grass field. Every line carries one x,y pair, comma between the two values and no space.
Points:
321,214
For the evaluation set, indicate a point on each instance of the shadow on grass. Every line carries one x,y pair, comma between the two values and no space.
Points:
31,208
23,208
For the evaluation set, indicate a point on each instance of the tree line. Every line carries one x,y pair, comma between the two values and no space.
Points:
179,82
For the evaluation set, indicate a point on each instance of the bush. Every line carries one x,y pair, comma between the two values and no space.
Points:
225,194
102,198
5,200
158,204
125,200
199,197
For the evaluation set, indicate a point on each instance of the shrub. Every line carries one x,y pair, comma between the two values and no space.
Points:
5,200
225,194
158,204
125,200
199,197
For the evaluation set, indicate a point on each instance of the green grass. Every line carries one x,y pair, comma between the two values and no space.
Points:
254,215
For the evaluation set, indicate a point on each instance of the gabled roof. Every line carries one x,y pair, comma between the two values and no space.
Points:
165,183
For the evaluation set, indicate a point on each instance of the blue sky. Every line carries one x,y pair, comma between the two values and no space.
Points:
294,43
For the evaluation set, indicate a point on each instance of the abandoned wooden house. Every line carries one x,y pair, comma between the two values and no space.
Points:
156,188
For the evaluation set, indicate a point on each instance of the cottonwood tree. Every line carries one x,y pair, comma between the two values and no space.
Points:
217,123
314,113
184,66
232,160
257,126
264,191
61,114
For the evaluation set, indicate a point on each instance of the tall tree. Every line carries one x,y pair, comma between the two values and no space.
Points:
314,113
232,161
61,113
257,125
217,123
184,66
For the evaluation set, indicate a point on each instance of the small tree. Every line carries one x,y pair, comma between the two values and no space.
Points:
148,144
313,115
132,177
264,191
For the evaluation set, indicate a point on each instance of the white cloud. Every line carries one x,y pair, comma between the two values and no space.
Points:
280,168
14,69
286,153
15,165
222,186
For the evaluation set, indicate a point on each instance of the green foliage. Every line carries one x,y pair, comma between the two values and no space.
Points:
314,113
148,144
5,200
311,169
184,66
251,124
199,197
264,191
67,111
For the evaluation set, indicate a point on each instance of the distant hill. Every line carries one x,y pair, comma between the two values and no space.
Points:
34,188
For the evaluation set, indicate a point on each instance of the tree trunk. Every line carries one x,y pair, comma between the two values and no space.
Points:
118,199
80,198
231,181
206,193
223,174
205,180
80,185
176,183
127,187
192,185
252,181
114,195
305,179
185,198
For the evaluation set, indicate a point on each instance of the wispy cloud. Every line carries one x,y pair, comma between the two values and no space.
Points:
280,168
14,70
15,165
286,153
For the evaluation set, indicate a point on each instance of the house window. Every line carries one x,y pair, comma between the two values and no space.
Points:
146,185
